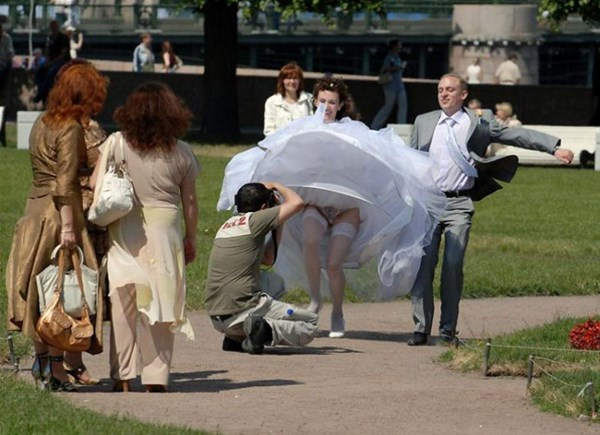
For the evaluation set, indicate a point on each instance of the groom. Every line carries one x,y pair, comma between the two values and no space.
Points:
457,138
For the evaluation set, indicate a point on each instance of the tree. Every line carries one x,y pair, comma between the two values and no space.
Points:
220,118
558,10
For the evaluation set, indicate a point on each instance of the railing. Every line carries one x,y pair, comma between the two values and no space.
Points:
169,17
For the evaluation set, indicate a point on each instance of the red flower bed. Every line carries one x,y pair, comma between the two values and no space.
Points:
586,335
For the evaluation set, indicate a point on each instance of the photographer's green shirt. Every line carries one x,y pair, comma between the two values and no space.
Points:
232,284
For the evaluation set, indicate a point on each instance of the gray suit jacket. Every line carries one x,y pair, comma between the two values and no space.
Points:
483,131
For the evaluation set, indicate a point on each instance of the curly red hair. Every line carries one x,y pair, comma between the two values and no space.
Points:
152,117
290,70
78,93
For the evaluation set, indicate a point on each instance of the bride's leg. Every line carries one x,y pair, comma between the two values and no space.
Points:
313,229
343,233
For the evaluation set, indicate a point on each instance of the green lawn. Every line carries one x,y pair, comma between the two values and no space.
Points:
560,373
40,412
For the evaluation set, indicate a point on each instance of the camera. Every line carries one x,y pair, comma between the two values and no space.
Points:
271,198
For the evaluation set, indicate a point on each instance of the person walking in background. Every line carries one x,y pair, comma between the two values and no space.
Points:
148,248
289,102
393,91
7,52
58,48
143,57
53,213
171,62
474,74
454,137
508,72
74,46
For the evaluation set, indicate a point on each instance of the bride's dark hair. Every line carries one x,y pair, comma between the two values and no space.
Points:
338,86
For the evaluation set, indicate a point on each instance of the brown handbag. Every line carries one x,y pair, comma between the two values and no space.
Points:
58,329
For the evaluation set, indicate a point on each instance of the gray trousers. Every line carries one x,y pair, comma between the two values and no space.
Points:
290,325
392,98
454,226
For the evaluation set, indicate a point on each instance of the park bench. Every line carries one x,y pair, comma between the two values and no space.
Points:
583,141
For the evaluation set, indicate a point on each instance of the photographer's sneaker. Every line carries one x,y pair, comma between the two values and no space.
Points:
258,333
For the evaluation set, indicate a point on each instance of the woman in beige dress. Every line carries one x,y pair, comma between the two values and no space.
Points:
148,250
53,212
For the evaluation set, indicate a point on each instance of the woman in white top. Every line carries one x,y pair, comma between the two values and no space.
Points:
473,73
74,46
289,102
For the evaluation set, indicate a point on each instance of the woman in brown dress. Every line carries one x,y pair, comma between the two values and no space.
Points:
53,212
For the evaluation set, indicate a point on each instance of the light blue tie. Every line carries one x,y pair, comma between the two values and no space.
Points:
455,152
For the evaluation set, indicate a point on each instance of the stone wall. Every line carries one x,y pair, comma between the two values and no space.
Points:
492,33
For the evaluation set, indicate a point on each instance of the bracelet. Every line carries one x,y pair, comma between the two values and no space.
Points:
65,232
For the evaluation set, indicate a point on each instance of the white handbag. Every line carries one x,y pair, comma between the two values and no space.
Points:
113,195
70,296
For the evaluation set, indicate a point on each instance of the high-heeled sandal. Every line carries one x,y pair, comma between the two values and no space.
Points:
77,372
156,388
40,361
121,386
56,384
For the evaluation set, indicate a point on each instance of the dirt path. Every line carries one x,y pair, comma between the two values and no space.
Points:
367,383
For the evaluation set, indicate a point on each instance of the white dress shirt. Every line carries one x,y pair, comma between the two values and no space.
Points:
448,176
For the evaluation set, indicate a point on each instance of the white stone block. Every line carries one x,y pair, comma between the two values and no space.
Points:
25,120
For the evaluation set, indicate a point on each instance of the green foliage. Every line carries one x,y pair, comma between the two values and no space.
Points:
512,360
27,410
558,10
509,356
554,396
288,7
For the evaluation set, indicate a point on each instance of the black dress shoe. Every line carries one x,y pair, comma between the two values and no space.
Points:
447,338
418,339
230,345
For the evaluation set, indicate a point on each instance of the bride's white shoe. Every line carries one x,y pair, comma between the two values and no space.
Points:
337,327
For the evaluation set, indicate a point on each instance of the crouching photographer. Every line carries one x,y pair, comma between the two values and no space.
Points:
235,302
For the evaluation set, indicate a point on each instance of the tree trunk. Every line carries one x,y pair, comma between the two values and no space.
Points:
220,120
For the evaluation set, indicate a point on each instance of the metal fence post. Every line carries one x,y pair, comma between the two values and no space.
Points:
530,370
592,400
486,356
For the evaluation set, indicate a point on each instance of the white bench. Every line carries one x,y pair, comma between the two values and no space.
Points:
403,130
25,120
576,139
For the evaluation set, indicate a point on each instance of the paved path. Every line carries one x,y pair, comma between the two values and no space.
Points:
367,383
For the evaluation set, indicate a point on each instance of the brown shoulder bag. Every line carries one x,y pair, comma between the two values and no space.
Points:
58,329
